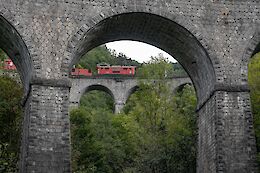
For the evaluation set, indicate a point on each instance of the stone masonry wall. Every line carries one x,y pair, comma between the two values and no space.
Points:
235,135
226,141
207,143
46,135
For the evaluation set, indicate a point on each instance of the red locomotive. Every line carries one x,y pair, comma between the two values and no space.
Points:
105,69
81,72
8,65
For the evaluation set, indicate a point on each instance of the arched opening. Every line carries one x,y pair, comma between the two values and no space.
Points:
91,129
103,92
162,33
16,69
147,28
115,122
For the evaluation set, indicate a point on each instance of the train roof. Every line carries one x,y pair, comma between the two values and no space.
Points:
117,66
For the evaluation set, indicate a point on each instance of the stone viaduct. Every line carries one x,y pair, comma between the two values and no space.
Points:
119,89
212,39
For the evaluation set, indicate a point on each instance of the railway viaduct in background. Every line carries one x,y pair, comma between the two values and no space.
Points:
120,89
212,39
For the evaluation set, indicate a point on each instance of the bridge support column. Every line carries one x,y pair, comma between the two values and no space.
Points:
119,105
46,128
226,140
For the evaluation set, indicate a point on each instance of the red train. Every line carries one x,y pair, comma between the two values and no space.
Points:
81,72
8,65
104,69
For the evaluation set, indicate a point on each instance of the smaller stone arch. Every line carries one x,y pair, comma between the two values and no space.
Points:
81,87
131,91
99,88
180,87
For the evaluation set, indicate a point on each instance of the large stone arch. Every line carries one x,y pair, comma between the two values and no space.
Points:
13,44
218,29
154,29
217,101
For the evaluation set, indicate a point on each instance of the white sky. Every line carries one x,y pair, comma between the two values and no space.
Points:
138,51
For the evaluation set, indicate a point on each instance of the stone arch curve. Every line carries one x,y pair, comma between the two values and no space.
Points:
131,91
196,29
253,46
13,44
99,88
189,51
80,88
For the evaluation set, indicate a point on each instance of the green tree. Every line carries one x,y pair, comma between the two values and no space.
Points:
97,146
95,100
168,122
254,83
97,55
10,122
155,134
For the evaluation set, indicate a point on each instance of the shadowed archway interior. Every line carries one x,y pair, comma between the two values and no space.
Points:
99,88
12,43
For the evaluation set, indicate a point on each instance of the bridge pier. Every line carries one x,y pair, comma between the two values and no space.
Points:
46,128
119,105
226,140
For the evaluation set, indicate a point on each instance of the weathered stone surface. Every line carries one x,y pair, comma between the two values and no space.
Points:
213,40
46,134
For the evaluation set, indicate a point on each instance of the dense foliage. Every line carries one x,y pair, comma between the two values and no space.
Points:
10,122
254,83
155,134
